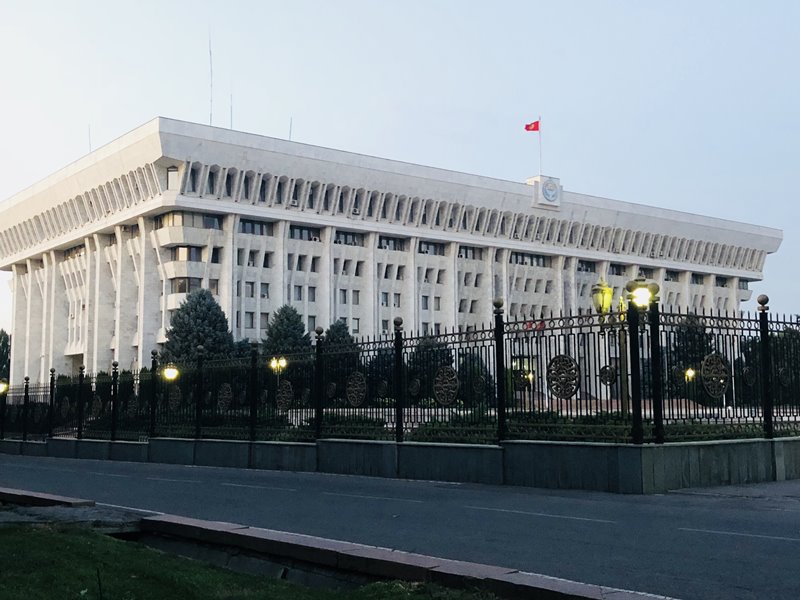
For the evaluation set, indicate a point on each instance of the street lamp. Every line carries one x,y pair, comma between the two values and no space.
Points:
277,364
641,293
602,298
3,386
170,372
689,374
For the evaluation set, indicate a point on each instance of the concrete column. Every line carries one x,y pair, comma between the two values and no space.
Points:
58,326
125,317
100,310
19,324
151,287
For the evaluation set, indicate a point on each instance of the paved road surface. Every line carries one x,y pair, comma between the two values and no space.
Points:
724,543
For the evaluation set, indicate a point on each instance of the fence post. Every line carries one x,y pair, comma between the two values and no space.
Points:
25,401
399,380
319,392
500,362
656,374
198,413
52,403
114,399
252,390
637,431
766,367
153,392
81,377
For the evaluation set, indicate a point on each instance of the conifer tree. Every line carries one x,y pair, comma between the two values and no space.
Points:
285,333
198,321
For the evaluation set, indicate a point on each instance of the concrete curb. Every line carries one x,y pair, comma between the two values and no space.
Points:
380,563
25,498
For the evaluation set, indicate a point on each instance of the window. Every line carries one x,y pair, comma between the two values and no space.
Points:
249,320
314,264
359,268
342,296
240,256
265,290
722,282
308,234
385,325
671,276
346,267
391,243
249,289
213,286
646,272
301,263
184,285
697,279
238,319
349,238
397,300
267,260
616,269
384,298
435,248
264,320
188,219
298,292
470,252
215,255
187,253
586,266
238,288
440,276
252,257
312,293
355,296
437,302
255,227
528,259
312,322
401,272
743,284
355,324
424,303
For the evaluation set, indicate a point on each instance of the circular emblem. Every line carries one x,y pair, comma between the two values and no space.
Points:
97,406
749,376
784,377
37,413
64,408
550,190
356,388
445,385
383,388
330,390
608,375
285,395
715,374
413,387
563,374
224,397
479,384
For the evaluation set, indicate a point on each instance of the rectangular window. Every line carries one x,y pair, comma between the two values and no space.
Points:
249,289
359,268
424,303
252,257
401,272
397,300
697,279
312,293
722,282
616,269
342,296
238,288
238,319
301,263
216,255
384,298
264,320
185,285
391,243
312,322
434,248
646,272
355,324
586,266
355,296
265,290
437,302
255,227
385,325
240,256
470,252
298,293
187,253
308,234
314,264
213,286
267,260
671,276
249,320
349,238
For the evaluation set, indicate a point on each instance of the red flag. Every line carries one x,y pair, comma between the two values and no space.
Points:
532,126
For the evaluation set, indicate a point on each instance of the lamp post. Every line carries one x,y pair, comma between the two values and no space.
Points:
602,298
643,298
277,364
170,372
3,395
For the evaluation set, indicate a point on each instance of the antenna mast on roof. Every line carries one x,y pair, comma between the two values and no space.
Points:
210,81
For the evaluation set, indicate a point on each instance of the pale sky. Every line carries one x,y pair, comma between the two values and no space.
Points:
684,104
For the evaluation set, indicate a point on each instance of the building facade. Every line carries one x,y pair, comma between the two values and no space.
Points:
103,251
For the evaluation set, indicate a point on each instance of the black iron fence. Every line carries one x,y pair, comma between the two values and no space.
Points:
633,376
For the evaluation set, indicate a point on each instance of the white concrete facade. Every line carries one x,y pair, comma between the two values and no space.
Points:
105,249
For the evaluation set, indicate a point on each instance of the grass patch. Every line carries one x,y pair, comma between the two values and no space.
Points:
52,563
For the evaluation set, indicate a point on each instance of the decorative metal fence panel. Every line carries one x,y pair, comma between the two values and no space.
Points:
631,376
567,378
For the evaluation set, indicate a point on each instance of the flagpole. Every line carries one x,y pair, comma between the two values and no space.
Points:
540,145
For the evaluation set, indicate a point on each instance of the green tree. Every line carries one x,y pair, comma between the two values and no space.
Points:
476,387
198,321
690,345
285,334
5,353
428,357
341,356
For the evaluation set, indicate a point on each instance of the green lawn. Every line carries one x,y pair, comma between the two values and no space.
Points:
50,563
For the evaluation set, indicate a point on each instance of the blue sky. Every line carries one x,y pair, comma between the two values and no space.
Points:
684,105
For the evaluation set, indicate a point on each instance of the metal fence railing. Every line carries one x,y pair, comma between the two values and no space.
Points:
631,376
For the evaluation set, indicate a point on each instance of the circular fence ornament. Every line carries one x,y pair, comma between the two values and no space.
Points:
356,388
37,413
284,396
445,385
749,376
174,397
413,387
383,388
784,377
479,384
563,375
64,407
608,375
97,406
330,390
715,374
521,381
678,375
224,397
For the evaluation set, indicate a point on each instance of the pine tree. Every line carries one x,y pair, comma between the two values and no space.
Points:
198,321
340,355
285,334
5,353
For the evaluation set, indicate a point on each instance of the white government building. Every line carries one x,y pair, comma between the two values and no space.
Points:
104,250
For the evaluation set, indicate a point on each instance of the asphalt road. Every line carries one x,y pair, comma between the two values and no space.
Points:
720,543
